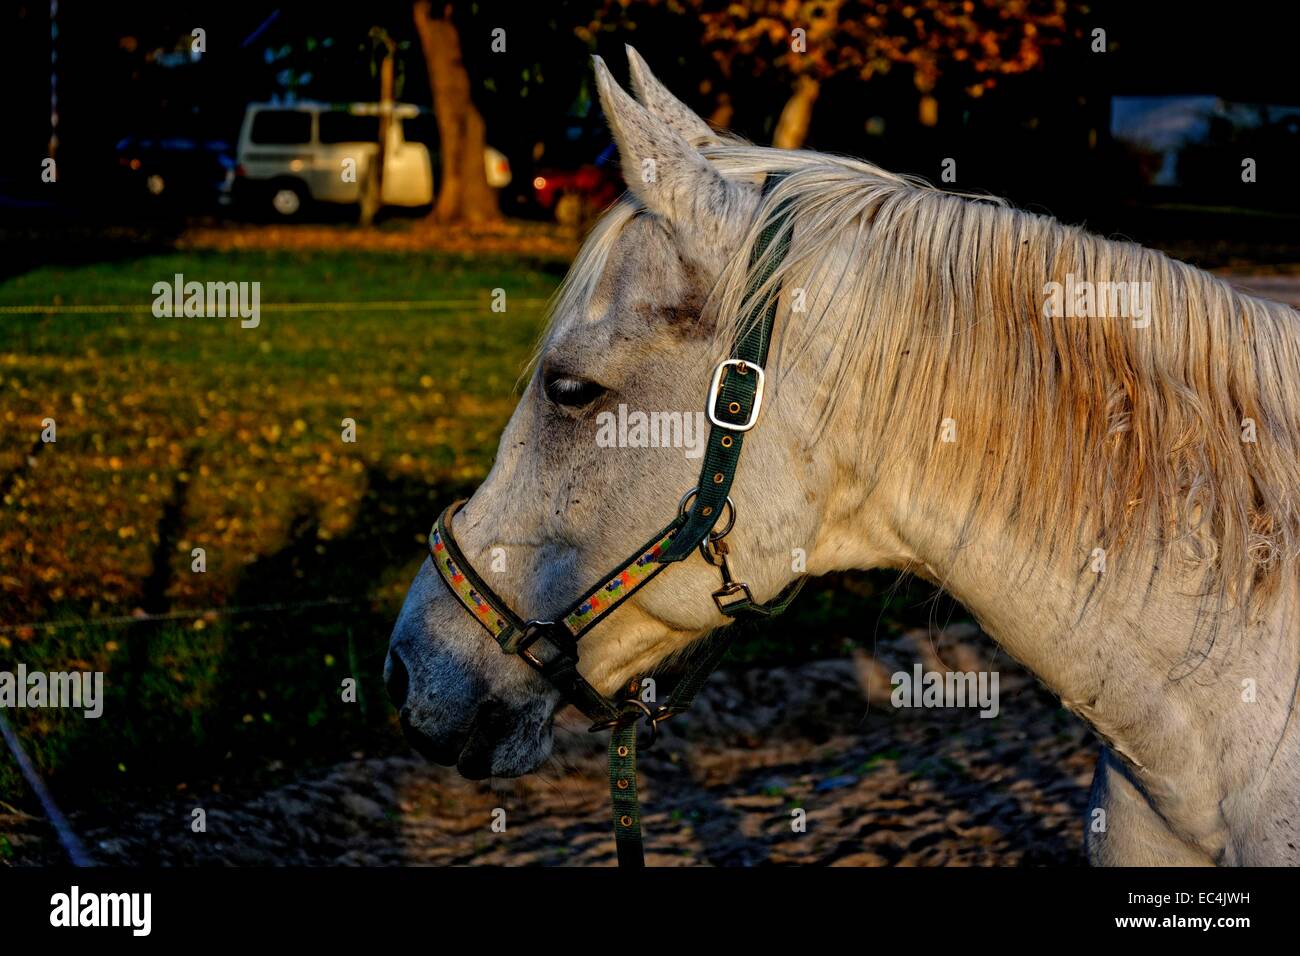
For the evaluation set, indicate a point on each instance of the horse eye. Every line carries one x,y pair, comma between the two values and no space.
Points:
572,392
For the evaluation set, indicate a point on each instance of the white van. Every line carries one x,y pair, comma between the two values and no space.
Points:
290,155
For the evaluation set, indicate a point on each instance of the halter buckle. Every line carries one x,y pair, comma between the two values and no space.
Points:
534,631
715,387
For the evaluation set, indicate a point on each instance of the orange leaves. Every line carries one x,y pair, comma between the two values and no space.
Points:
967,41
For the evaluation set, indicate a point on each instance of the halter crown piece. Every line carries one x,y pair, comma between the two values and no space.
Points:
551,647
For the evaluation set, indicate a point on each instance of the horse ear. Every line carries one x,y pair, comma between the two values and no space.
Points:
660,167
654,96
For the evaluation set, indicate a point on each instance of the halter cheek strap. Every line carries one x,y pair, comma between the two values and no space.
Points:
736,391
551,647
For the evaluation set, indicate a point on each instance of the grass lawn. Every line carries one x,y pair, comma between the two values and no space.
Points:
175,434
248,421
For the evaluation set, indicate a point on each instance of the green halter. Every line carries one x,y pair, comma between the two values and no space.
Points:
550,647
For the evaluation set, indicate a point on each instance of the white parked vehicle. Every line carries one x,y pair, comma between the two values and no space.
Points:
292,154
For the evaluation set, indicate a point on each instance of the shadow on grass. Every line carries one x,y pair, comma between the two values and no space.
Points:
286,671
249,697
56,241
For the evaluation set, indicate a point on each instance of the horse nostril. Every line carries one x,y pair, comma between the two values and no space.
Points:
396,680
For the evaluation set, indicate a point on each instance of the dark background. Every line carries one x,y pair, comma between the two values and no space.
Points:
1040,138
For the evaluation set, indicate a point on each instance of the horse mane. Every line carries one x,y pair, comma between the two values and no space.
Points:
1078,433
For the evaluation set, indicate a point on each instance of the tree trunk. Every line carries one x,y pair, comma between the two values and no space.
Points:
464,194
792,127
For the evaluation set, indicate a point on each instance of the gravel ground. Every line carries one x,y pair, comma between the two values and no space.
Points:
880,786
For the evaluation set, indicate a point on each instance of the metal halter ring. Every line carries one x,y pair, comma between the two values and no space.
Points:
715,535
622,720
652,719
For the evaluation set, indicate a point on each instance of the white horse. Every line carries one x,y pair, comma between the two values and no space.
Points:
1115,497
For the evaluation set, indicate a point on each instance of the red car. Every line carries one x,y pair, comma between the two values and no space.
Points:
577,195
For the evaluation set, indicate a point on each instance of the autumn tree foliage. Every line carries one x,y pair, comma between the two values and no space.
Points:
970,44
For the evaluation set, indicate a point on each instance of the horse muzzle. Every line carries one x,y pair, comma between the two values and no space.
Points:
451,719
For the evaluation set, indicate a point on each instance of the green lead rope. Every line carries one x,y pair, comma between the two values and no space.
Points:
622,750
623,798
622,739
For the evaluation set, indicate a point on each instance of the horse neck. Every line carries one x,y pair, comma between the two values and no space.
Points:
1116,655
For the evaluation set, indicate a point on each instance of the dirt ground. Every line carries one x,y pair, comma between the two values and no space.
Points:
880,786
